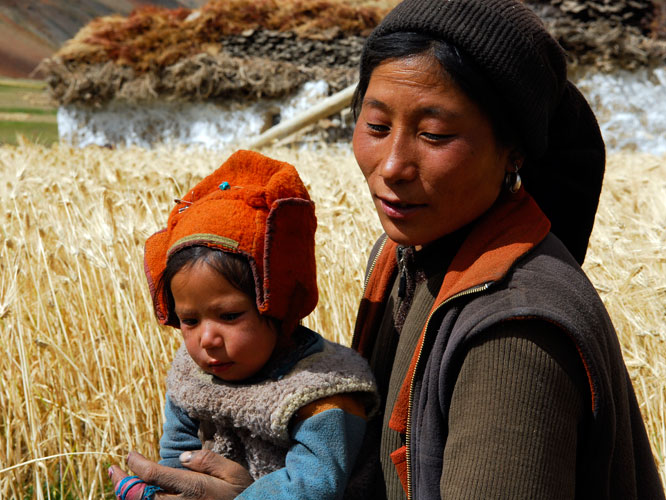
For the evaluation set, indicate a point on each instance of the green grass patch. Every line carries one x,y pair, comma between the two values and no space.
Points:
32,111
27,97
21,96
36,132
21,83
63,491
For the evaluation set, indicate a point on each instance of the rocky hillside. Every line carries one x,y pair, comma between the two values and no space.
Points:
35,29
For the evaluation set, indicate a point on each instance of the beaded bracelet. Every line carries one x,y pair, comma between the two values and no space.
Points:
149,492
129,482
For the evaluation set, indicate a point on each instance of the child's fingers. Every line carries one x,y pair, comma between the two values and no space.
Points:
209,462
116,474
126,487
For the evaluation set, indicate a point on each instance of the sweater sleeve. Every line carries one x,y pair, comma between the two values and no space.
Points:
515,414
179,434
320,460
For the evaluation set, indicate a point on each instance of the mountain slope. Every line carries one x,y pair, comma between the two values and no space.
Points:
34,29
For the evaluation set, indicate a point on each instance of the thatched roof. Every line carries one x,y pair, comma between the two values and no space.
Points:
268,48
608,34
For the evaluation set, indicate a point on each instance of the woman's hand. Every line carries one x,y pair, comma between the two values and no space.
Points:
211,477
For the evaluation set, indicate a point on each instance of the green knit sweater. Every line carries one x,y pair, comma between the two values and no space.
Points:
520,371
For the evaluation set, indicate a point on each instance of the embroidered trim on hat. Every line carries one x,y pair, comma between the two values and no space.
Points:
202,237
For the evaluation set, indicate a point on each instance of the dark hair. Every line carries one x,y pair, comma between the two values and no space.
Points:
233,267
460,67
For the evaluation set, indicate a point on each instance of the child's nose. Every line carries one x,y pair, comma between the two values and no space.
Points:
211,336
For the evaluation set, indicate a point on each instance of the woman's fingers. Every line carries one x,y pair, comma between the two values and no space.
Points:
212,464
187,484
207,482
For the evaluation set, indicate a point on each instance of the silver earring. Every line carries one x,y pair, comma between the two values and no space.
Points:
512,180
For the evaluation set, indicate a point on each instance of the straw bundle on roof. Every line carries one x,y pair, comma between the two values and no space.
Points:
607,35
237,48
266,48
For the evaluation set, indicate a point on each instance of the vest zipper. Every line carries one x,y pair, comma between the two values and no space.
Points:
402,274
469,291
374,263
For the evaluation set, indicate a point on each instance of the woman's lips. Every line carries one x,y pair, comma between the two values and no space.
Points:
399,210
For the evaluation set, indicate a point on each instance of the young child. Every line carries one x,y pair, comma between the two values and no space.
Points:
235,270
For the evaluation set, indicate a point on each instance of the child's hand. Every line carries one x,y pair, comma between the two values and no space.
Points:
130,487
212,477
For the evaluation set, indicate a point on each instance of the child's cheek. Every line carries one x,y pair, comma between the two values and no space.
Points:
192,345
239,345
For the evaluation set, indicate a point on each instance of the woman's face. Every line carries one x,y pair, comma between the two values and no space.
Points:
427,151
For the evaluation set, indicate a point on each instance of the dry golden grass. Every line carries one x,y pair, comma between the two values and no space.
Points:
82,361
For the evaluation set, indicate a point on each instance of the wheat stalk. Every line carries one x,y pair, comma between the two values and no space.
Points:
83,362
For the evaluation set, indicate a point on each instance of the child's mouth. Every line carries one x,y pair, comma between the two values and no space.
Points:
220,367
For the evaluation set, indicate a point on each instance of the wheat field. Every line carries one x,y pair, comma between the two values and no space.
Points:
83,362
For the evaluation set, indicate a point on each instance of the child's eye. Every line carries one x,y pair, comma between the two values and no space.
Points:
188,321
230,316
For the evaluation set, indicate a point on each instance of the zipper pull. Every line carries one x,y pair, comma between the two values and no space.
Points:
402,284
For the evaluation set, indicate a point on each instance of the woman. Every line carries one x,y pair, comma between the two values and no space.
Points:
501,373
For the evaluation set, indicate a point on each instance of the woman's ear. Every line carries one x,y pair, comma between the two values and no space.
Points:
514,160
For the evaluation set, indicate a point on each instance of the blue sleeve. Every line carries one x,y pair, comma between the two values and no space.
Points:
179,434
319,462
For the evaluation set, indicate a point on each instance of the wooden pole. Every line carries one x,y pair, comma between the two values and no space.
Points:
327,107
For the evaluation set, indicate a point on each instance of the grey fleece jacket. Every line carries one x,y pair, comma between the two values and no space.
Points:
250,422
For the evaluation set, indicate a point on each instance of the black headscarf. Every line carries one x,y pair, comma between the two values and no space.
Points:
526,68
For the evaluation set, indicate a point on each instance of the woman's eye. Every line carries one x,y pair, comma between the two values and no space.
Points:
375,127
436,137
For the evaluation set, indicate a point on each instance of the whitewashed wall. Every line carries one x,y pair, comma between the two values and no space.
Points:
630,107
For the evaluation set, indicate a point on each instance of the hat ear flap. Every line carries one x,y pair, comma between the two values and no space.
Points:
290,273
154,264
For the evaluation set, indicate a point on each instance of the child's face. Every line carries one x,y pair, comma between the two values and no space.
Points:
223,331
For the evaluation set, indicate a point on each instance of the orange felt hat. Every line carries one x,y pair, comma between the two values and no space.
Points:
253,206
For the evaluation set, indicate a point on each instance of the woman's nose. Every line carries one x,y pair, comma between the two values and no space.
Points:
399,160
211,337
